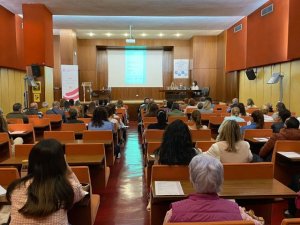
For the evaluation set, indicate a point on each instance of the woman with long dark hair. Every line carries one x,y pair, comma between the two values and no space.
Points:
257,121
177,146
100,120
49,189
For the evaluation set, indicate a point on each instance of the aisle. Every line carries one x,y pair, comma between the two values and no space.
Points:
124,201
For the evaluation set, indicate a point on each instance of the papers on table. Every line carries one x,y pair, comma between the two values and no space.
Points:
261,139
2,191
291,155
152,155
17,132
168,188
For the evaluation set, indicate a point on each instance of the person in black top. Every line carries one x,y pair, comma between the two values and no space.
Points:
73,116
17,113
161,121
283,115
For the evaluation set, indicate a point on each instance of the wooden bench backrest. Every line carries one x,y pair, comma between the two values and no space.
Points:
14,121
150,119
89,135
154,134
216,120
60,135
4,137
76,127
190,110
20,127
251,133
206,116
267,125
173,118
53,117
8,175
233,171
201,135
85,149
291,221
204,145
85,120
242,222
285,146
23,150
251,110
40,122
164,172
152,146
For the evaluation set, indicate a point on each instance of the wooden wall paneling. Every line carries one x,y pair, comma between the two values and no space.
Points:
102,70
259,99
167,68
19,43
10,88
57,61
231,83
220,76
205,52
5,101
242,92
68,47
294,30
285,69
294,88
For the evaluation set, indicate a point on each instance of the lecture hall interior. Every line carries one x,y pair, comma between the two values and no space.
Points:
110,50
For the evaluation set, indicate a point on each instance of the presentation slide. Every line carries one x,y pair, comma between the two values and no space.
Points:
135,68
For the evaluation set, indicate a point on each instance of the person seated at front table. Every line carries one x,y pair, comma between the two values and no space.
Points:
231,148
100,121
177,146
289,132
17,113
257,121
175,110
195,85
206,176
48,191
196,118
161,121
73,116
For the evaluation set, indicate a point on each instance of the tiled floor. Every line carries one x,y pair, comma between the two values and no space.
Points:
124,200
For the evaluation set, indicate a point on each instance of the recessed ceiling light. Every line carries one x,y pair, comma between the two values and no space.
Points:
161,34
126,34
91,34
143,34
177,34
108,34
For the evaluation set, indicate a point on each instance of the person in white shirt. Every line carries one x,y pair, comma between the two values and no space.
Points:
195,85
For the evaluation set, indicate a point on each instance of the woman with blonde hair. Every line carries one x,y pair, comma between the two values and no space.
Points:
206,107
231,148
196,118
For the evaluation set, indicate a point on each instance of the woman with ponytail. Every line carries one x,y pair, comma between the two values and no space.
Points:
196,118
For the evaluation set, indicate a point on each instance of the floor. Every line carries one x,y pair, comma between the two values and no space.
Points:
124,200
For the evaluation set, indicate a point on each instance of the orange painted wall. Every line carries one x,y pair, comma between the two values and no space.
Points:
38,35
236,47
8,46
19,43
294,30
267,36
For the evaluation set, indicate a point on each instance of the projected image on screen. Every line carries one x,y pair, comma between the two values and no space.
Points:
135,68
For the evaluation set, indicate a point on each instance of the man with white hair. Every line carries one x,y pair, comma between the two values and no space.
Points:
206,175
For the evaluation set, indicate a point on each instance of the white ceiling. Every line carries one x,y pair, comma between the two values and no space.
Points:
185,18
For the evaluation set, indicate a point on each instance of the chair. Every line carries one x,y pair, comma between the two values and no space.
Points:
153,135
152,146
8,175
201,135
102,136
241,171
267,125
14,121
291,221
23,150
241,222
55,120
60,135
150,119
215,120
190,110
25,131
82,149
220,108
251,110
33,116
76,214
85,120
204,145
5,146
173,118
165,172
40,125
76,127
146,124
257,133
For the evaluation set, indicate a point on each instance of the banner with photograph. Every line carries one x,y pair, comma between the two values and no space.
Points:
69,82
181,68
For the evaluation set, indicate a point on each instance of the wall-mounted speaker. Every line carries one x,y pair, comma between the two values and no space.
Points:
250,74
36,72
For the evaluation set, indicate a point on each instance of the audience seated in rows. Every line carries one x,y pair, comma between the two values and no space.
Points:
289,132
206,176
265,111
3,123
231,148
48,172
100,121
161,121
17,113
73,116
90,110
206,108
257,121
177,146
242,109
151,110
234,103
191,105
33,110
57,110
45,107
175,110
196,118
279,107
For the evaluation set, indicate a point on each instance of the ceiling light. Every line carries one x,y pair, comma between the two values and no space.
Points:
108,34
126,35
161,34
143,34
177,35
91,34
